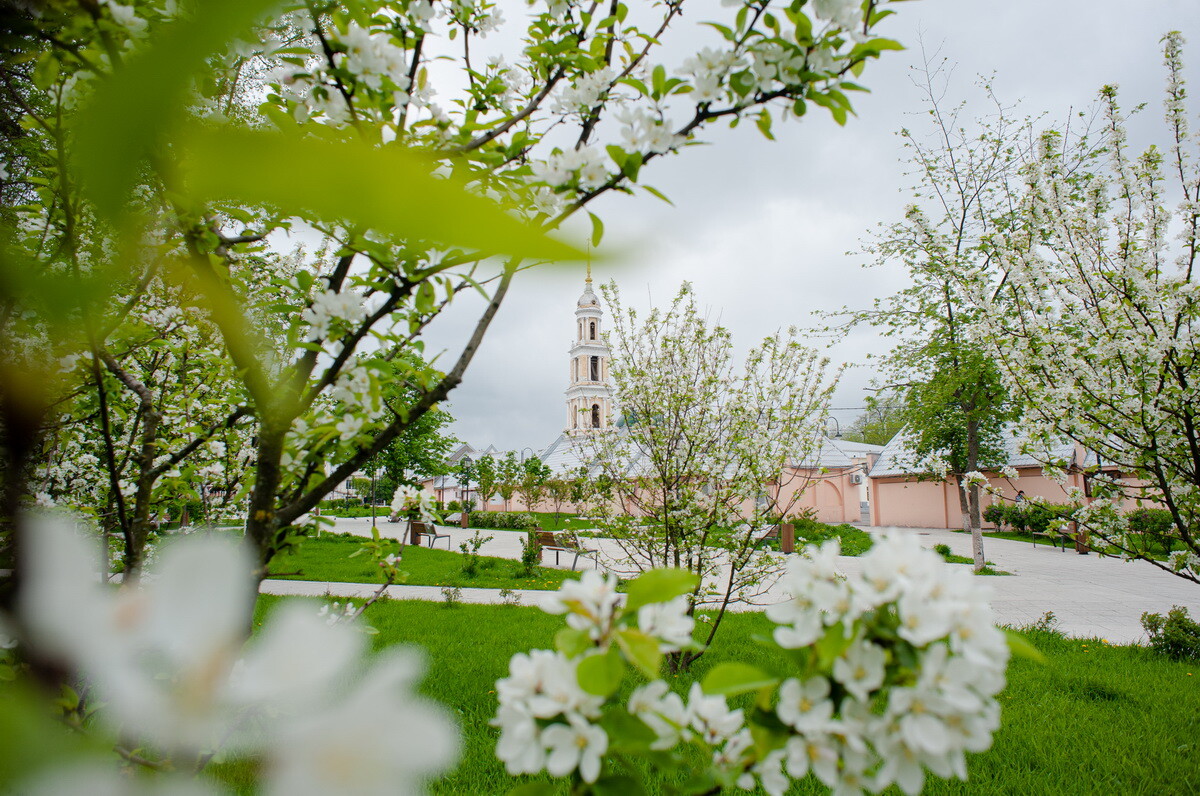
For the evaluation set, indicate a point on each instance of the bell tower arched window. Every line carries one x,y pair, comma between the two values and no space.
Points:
595,415
594,369
591,330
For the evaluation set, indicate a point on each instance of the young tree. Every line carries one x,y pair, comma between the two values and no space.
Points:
486,476
702,444
1095,325
559,491
881,421
466,474
534,482
508,477
954,405
582,489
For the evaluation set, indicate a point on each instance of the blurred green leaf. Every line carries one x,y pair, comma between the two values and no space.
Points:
736,678
659,586
641,650
127,116
1020,647
389,189
601,674
572,642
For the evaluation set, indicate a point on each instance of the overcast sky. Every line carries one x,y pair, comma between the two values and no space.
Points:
762,228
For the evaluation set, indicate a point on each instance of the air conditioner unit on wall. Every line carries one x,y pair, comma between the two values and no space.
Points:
856,478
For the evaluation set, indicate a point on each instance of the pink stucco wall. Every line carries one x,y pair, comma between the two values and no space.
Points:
907,502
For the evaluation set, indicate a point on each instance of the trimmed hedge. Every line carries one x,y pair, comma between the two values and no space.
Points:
503,520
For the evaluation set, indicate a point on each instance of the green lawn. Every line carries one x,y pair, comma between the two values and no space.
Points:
1095,720
327,558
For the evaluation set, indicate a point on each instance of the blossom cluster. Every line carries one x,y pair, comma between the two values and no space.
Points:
164,656
910,622
549,706
409,500
899,667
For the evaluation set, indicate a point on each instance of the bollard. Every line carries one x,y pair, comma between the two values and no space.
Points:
465,520
787,538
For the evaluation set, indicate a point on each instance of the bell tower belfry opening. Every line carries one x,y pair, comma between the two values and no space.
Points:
589,396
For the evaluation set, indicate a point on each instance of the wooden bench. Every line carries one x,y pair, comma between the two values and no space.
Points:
420,530
562,543
1056,538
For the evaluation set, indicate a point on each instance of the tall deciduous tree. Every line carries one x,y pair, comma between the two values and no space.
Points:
1096,323
954,404
882,419
698,460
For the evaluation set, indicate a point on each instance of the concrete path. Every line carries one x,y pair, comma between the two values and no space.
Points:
1090,595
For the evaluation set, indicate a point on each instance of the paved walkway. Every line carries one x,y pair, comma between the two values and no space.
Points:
1090,595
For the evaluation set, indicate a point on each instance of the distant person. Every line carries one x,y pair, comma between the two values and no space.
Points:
1021,501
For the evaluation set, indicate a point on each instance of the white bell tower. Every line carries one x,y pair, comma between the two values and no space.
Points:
589,398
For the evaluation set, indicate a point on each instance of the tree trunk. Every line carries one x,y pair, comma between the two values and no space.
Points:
970,499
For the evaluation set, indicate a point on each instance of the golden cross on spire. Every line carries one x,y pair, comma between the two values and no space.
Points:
589,263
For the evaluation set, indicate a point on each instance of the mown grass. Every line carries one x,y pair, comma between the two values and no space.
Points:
1096,719
328,558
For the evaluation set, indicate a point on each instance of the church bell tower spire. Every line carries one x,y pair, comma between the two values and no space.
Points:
589,396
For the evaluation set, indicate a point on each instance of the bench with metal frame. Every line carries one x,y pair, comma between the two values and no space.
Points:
562,543
421,530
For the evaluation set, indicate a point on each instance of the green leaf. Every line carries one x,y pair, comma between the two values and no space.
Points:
365,185
125,120
831,645
641,650
731,679
658,586
655,192
627,733
572,642
1020,647
597,229
601,674
764,125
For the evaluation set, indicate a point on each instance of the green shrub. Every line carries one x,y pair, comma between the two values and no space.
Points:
1155,526
503,520
943,550
1041,517
1175,635
531,554
470,553
997,514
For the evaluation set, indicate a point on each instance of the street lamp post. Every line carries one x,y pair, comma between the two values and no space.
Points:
836,425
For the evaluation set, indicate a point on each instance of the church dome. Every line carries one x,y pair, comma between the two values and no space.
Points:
588,299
